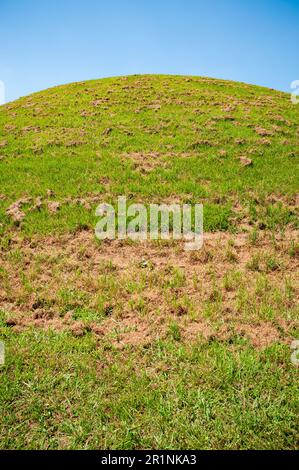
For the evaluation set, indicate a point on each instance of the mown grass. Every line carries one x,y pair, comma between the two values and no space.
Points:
58,391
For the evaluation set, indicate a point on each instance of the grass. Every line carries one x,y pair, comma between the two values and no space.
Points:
169,137
127,345
61,392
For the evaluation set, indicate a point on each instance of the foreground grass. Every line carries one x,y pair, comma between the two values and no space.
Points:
58,391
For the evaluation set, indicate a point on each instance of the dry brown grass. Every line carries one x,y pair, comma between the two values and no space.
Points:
129,293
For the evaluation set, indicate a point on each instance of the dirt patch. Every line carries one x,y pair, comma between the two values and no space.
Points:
245,161
198,329
263,132
260,335
131,330
53,206
15,212
145,162
27,129
127,293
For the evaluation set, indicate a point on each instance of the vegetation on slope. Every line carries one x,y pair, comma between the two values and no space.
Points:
151,138
128,345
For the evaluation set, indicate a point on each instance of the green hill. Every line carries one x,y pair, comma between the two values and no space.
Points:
130,345
154,138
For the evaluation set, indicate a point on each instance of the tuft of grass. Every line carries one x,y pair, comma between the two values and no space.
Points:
174,331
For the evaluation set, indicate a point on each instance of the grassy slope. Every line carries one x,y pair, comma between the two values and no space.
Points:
55,141
154,138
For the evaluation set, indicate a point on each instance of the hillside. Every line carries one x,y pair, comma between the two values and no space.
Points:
123,344
154,138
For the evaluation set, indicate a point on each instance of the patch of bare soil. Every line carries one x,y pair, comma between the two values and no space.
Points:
17,213
225,289
15,210
145,162
261,334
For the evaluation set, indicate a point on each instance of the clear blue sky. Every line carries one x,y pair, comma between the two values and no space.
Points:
46,43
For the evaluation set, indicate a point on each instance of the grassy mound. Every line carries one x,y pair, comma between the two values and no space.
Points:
132,345
229,145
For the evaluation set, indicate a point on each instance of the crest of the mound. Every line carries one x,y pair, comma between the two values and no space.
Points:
2,92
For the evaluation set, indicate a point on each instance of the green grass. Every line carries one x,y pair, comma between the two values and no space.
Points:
58,391
215,371
57,140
